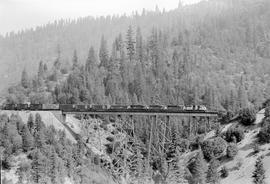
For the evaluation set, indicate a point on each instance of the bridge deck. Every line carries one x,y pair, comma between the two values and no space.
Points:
149,113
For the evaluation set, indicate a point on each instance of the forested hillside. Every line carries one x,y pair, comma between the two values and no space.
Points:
215,53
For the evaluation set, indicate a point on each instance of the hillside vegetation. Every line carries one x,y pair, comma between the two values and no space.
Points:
214,53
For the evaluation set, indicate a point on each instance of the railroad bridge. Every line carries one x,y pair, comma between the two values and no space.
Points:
159,125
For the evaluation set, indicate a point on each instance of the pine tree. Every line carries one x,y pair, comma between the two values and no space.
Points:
103,53
91,60
212,176
38,167
242,95
130,43
25,79
30,123
139,45
40,77
27,139
197,168
57,62
54,173
75,63
259,172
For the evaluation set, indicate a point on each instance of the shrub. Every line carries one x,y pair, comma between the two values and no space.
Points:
214,148
224,172
234,134
264,134
232,150
247,116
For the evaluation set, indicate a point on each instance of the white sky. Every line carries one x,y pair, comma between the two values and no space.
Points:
20,14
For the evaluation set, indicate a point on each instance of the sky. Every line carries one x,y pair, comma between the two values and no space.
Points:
22,14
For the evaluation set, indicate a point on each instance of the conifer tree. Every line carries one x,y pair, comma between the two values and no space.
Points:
75,63
197,169
30,124
91,61
40,77
242,95
38,167
212,176
27,139
54,174
130,43
139,45
103,53
25,79
259,172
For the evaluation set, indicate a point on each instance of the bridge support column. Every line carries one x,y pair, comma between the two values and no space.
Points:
64,118
150,142
208,123
194,122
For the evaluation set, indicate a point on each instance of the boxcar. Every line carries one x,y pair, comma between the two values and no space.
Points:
35,107
81,108
9,107
138,107
157,107
22,107
50,106
67,107
118,107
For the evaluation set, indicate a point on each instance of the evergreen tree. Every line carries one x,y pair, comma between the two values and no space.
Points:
39,139
212,176
25,79
75,63
54,173
103,53
130,43
38,167
242,95
91,60
31,124
259,172
27,139
139,46
197,168
40,77
57,62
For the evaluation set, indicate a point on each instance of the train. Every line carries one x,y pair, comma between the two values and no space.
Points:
94,107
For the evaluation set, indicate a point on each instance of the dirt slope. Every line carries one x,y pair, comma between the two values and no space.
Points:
242,166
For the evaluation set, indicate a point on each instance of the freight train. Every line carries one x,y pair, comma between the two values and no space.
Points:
92,107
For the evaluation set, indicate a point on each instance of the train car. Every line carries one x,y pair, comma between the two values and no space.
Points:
50,107
81,108
100,107
119,107
9,107
138,107
157,107
189,108
202,108
175,107
35,107
20,107
67,107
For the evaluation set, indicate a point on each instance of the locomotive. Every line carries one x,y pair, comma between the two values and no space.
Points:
93,107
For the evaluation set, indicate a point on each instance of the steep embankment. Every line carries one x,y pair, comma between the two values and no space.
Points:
241,168
49,118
